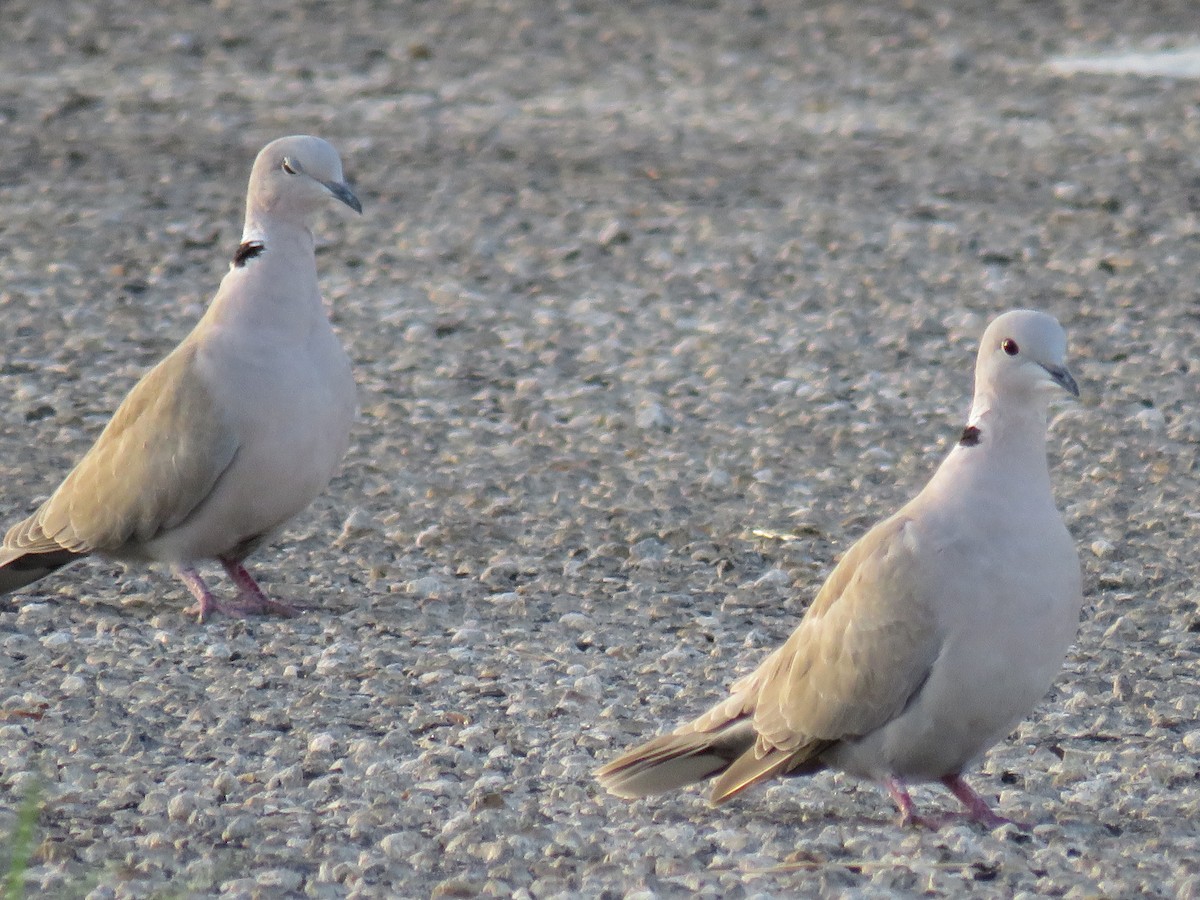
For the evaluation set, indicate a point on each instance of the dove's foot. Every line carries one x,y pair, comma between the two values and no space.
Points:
206,603
977,809
904,802
251,599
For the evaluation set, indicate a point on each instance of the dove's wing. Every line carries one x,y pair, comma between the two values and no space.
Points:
152,467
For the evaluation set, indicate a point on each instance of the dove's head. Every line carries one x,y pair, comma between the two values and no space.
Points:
295,176
1022,354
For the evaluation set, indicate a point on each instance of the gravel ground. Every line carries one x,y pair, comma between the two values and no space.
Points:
655,308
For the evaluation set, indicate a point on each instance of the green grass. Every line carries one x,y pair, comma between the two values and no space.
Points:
20,847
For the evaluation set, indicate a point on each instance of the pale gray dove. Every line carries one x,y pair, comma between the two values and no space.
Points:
938,631
236,430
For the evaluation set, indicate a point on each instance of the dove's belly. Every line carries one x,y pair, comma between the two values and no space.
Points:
1002,650
960,713
295,416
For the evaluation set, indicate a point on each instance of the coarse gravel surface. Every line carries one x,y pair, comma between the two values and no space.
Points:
654,309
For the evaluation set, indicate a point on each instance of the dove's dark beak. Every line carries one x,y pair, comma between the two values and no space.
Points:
343,193
1060,376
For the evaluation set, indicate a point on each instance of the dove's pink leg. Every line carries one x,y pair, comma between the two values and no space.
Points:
908,812
977,807
251,598
206,603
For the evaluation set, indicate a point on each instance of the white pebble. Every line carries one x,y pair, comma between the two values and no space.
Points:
428,587
1151,419
652,415
575,620
181,806
238,828
279,879
73,685
322,742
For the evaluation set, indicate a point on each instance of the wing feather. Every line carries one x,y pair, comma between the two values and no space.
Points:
154,463
864,647
866,644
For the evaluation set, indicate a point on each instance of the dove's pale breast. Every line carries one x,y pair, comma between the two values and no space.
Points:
1006,619
288,392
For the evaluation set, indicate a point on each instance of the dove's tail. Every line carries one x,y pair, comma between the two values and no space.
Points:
18,568
729,753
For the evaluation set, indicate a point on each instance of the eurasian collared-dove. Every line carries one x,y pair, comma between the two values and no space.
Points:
236,430
938,631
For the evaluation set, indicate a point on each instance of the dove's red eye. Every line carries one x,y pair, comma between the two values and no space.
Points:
1009,346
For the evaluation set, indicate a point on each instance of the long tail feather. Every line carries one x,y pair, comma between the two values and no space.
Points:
675,760
750,768
19,569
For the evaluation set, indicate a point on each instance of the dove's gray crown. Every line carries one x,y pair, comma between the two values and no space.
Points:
937,632
238,428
